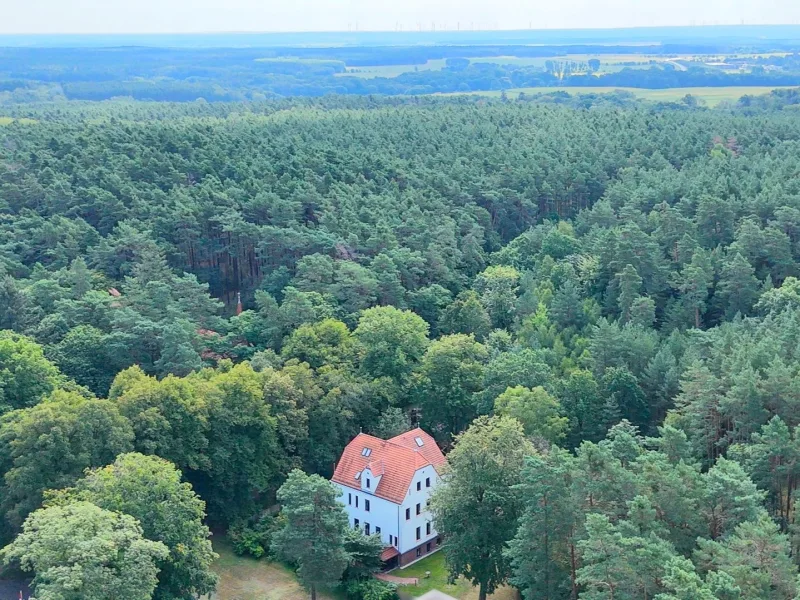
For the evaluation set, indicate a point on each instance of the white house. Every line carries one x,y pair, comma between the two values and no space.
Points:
386,485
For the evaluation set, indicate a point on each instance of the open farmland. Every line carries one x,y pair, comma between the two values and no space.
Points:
709,95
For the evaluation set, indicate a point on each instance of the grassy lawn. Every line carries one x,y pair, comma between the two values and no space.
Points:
242,578
461,589
711,95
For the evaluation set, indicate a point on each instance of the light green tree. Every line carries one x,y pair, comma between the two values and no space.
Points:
477,505
82,552
538,411
150,490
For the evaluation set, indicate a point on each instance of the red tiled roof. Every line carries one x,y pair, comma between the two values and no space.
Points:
396,460
429,449
389,552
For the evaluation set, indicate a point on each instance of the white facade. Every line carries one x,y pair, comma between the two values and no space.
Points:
395,529
414,498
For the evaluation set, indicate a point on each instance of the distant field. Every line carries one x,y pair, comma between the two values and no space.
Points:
710,95
393,70
609,63
9,121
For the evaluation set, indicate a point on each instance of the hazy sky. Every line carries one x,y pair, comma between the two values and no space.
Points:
157,16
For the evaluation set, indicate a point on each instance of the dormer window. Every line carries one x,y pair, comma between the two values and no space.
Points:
419,441
358,475
366,452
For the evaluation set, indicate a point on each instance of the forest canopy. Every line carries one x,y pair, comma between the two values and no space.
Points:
239,289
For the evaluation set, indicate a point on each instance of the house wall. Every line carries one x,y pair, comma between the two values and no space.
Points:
382,513
408,557
408,528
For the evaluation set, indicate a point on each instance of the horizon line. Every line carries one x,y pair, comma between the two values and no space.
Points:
406,31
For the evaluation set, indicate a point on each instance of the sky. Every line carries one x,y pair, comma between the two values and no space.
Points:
178,16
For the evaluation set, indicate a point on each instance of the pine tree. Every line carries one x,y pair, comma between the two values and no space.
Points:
543,553
738,288
314,530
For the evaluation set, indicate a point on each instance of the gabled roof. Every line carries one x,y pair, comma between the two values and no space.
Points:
395,461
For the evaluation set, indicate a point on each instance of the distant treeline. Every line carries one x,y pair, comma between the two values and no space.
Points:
237,74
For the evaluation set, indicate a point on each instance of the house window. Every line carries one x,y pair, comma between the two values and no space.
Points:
419,441
438,541
419,532
419,485
366,528
391,540
397,541
366,452
419,552
428,503
427,528
349,498
428,547
408,514
366,505
419,508
378,530
368,483
355,523
356,501
427,482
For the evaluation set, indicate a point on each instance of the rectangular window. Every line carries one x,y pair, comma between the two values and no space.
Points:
427,482
367,482
408,514
419,508
419,552
397,541
427,528
349,498
419,532
355,523
356,501
428,547
419,485
438,541
366,528
377,530
391,540
366,505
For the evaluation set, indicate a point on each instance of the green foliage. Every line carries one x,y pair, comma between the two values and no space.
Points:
82,552
26,375
134,485
370,589
450,374
538,411
314,529
50,445
627,291
393,342
365,555
476,507
252,537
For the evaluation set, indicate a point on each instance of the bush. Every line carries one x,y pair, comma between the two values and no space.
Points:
252,537
370,589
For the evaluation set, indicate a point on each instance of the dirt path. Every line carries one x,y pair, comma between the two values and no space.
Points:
398,580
